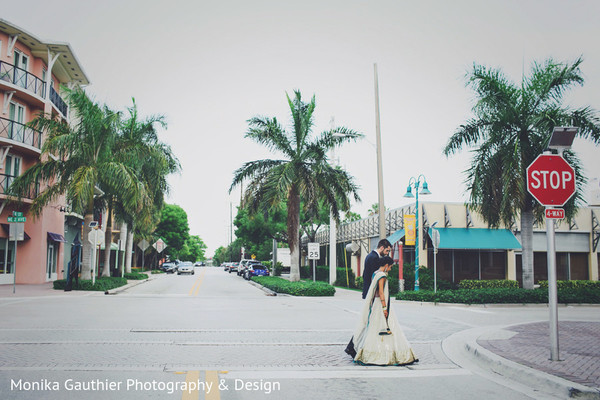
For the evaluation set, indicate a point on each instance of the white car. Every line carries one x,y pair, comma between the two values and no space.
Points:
185,267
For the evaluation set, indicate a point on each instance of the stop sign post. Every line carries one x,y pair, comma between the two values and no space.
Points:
551,181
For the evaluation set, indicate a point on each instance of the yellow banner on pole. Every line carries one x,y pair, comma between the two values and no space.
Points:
410,230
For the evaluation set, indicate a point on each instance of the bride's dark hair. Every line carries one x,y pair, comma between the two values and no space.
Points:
385,261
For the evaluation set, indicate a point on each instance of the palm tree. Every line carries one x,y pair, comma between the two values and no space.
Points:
511,127
303,173
78,159
141,150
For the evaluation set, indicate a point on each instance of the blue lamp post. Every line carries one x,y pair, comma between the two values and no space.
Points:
417,183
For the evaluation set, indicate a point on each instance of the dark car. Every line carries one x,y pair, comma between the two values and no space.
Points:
255,270
169,267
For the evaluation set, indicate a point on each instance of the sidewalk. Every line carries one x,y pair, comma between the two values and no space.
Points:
521,353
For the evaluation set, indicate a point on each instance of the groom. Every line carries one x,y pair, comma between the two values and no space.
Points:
371,263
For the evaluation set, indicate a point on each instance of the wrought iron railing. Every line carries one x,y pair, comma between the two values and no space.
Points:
7,180
22,78
28,81
58,101
20,133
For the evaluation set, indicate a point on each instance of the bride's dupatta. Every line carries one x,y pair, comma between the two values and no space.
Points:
363,325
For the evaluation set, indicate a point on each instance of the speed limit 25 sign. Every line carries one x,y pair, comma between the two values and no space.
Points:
313,251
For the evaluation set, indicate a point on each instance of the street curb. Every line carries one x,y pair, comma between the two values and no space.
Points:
465,343
267,291
494,305
129,285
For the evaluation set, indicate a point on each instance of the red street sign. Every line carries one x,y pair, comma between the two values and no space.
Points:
555,213
551,180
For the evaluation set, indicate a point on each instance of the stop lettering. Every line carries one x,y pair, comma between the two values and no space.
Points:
551,180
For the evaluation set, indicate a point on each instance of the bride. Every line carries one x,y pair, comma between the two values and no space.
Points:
378,338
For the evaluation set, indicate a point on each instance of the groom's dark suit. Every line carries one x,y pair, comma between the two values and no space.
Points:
371,265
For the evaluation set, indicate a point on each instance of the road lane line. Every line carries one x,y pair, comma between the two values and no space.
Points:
191,377
196,287
212,380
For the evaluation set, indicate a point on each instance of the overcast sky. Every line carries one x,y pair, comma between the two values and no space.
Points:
209,66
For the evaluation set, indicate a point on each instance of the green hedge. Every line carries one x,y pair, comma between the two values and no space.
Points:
157,271
301,288
135,276
425,279
503,296
572,284
323,275
102,284
487,284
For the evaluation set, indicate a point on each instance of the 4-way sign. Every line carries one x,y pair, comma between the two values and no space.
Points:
551,180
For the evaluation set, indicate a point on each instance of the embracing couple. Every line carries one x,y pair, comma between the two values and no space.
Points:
378,338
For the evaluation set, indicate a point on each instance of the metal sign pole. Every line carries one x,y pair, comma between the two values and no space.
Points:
15,266
314,271
552,290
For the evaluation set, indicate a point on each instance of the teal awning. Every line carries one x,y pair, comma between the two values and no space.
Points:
394,237
476,238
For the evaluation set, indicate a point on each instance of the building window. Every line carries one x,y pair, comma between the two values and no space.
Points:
6,256
12,169
579,267
493,264
16,114
51,260
21,68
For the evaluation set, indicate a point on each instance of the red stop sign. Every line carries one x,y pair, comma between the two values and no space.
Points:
551,180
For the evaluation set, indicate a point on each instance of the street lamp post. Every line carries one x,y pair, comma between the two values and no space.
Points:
416,183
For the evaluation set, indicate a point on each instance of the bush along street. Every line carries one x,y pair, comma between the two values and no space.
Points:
301,288
102,284
504,295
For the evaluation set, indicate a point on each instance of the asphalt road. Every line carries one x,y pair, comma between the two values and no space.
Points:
214,335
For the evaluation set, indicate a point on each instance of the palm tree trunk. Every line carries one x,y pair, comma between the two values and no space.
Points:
123,238
293,222
86,248
527,243
128,250
107,242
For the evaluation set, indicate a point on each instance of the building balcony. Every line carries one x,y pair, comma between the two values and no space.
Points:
30,84
7,180
20,133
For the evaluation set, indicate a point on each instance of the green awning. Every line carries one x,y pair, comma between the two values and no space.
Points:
394,237
476,238
113,247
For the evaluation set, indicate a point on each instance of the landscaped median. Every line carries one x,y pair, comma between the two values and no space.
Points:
300,288
102,284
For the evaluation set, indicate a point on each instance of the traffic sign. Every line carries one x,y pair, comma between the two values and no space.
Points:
96,237
551,180
17,219
143,244
17,214
555,213
314,251
159,245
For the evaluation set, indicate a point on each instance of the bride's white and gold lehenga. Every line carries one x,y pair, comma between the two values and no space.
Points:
378,341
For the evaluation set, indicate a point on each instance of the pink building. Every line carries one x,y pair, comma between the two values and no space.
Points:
31,74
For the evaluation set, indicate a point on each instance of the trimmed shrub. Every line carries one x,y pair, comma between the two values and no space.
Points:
102,284
502,296
489,284
301,288
278,268
306,272
157,271
425,278
572,284
135,276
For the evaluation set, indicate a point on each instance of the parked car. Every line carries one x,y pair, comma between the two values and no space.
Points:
185,267
234,266
169,267
255,270
199,264
244,264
